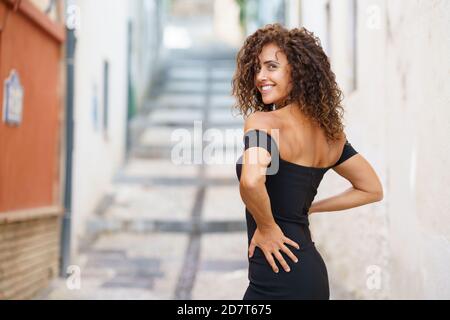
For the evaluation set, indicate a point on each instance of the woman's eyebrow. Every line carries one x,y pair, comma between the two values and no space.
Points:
271,61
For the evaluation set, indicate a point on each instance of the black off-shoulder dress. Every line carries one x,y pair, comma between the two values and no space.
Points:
291,190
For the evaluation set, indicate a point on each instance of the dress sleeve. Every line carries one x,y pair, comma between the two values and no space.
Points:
259,138
347,153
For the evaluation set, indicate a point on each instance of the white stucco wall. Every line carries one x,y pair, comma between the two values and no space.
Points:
148,18
398,120
226,22
313,18
53,12
103,36
98,153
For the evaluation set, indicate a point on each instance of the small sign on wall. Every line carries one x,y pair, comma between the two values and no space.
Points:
13,99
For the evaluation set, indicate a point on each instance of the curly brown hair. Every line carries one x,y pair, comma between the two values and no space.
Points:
314,85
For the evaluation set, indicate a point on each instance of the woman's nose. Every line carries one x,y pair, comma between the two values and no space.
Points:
261,76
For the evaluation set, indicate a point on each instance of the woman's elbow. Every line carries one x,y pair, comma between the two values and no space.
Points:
372,195
377,195
375,190
248,183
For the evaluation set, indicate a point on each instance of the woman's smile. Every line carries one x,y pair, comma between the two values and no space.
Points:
266,89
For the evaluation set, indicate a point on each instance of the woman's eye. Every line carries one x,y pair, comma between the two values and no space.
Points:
271,67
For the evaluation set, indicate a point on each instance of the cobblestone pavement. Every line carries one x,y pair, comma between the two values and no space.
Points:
168,231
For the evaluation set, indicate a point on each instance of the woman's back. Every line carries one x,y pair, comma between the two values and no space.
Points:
300,140
304,157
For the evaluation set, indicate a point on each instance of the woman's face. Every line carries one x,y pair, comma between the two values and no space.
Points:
273,76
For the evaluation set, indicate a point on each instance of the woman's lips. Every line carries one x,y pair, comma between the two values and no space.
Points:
266,89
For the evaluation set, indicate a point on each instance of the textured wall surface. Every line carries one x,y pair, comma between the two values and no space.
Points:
397,118
29,256
98,150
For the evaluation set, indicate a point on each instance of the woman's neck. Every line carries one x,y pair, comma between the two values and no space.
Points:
293,111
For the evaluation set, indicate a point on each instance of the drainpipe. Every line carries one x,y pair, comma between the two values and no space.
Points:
69,125
130,98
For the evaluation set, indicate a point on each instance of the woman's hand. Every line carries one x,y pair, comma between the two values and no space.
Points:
271,240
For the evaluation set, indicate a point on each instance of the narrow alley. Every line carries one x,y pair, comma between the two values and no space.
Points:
168,231
118,144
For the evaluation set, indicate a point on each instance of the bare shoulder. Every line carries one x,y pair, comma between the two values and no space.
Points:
338,145
342,138
265,121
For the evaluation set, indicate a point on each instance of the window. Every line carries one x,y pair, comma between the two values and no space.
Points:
105,96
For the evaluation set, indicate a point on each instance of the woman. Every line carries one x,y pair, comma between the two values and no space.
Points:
293,135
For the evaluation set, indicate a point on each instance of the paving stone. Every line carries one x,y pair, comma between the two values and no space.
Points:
224,265
225,115
89,292
181,100
223,146
186,73
223,203
222,73
191,86
162,116
222,171
222,101
221,86
220,285
157,202
126,266
157,136
159,168
224,246
164,136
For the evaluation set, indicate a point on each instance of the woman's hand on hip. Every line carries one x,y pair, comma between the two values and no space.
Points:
271,240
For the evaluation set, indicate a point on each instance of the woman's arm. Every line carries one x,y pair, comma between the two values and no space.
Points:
253,189
366,187
253,176
268,235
